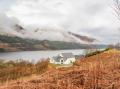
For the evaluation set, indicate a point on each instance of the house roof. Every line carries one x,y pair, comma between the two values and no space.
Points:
57,58
64,56
67,55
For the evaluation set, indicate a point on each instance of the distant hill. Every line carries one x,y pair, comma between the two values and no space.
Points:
12,27
14,43
50,33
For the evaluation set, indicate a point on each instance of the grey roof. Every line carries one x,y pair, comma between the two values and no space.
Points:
68,55
57,58
65,56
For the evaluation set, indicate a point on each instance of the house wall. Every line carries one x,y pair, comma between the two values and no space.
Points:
69,61
53,61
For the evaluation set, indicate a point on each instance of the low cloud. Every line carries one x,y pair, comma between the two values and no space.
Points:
7,24
94,18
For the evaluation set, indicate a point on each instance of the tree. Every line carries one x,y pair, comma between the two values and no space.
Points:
117,10
118,45
117,7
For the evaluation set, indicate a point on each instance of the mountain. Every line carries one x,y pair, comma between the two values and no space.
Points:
14,43
10,27
51,34
14,37
11,43
48,34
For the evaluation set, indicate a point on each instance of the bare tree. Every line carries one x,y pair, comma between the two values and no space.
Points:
117,10
117,7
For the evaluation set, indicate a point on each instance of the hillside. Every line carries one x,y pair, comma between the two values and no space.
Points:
11,27
9,43
101,71
14,43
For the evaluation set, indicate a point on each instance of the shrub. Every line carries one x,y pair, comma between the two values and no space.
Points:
41,66
12,70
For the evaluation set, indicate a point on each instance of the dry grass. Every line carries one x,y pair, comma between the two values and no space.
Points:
13,70
100,71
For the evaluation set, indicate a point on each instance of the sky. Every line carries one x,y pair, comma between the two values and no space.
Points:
95,18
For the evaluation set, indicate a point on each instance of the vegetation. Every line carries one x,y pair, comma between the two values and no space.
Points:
99,71
15,69
18,44
2,50
92,52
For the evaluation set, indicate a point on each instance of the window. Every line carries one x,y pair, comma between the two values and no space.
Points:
62,61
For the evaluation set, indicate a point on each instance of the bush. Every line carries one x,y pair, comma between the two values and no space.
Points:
41,66
92,52
12,70
2,50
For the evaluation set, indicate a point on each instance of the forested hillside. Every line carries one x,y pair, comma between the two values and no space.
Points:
14,43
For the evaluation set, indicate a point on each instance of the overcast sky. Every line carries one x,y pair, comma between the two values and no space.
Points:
94,18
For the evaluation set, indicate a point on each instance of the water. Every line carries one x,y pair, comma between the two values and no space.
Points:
36,55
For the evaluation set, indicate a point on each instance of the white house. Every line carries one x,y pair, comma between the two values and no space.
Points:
63,58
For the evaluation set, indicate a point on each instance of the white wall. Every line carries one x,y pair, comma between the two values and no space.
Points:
69,61
52,60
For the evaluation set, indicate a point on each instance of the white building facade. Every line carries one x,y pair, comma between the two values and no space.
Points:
63,58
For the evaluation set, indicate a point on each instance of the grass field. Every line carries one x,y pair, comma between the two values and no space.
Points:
12,70
100,71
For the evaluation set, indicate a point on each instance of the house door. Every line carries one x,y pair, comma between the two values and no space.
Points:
62,61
